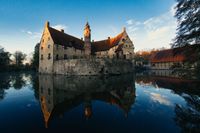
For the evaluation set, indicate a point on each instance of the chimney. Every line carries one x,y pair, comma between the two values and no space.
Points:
47,24
62,30
92,40
124,29
108,38
81,38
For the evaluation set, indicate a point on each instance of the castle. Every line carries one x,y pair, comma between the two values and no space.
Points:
60,53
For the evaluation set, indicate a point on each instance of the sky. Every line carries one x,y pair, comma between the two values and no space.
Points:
149,23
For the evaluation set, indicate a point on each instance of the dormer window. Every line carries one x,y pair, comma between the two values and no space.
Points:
41,48
49,46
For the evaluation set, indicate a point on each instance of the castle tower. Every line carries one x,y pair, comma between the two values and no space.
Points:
87,39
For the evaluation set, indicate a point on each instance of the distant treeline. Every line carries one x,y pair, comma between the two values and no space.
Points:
15,61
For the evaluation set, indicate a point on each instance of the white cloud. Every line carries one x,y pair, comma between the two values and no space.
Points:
33,35
155,32
37,35
160,99
29,32
60,26
133,22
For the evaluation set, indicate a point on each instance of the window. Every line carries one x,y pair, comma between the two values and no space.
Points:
41,48
42,57
49,46
65,56
42,40
57,46
49,56
57,57
48,38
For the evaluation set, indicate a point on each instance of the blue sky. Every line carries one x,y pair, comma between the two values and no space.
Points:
149,23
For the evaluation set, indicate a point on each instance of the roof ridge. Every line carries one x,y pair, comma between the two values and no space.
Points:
111,37
64,33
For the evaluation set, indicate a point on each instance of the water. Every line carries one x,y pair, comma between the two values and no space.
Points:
126,103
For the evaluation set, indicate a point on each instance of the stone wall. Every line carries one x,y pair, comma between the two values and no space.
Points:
46,52
93,66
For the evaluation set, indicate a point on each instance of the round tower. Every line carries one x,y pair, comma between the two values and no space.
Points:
87,39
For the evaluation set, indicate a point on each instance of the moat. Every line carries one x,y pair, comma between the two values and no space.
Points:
125,103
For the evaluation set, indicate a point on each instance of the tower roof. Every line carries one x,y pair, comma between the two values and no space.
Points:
87,24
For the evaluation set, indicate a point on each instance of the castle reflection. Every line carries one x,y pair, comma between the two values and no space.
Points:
59,93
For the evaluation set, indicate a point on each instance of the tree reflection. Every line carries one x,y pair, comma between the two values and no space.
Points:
187,116
18,81
59,94
4,85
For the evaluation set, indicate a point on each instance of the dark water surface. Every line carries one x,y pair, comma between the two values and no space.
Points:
124,104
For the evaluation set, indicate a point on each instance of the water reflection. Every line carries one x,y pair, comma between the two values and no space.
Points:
16,80
188,116
160,102
59,94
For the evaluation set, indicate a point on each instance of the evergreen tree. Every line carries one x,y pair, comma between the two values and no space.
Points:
188,17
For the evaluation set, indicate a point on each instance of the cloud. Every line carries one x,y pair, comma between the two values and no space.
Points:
33,35
133,22
160,99
154,32
38,34
60,26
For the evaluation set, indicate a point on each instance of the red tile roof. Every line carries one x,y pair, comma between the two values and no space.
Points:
62,38
175,55
106,44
